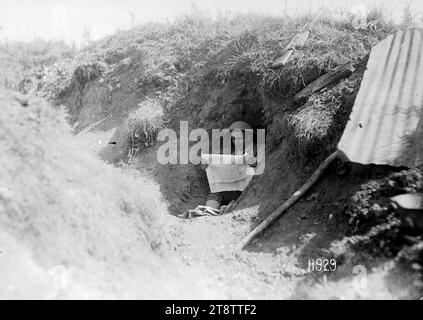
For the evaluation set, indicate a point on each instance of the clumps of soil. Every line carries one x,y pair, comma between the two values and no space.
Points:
377,227
372,201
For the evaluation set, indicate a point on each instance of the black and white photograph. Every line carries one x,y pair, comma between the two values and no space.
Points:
223,151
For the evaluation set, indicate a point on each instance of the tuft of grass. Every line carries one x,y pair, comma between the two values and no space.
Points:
310,126
315,128
88,71
144,124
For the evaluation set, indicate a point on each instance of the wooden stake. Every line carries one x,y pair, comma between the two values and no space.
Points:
288,203
328,79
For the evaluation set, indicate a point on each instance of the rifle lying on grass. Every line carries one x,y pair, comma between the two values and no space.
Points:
297,41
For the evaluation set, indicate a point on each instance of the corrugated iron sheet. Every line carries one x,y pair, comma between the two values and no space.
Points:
386,125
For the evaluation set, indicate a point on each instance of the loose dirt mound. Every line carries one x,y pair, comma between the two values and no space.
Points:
65,211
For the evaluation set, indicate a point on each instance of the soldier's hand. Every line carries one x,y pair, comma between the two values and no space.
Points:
251,161
203,166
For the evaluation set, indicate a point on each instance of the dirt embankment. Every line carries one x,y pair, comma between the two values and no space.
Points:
74,227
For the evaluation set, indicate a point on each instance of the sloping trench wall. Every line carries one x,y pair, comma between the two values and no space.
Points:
63,210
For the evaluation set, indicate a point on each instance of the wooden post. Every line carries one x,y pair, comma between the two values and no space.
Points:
324,81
